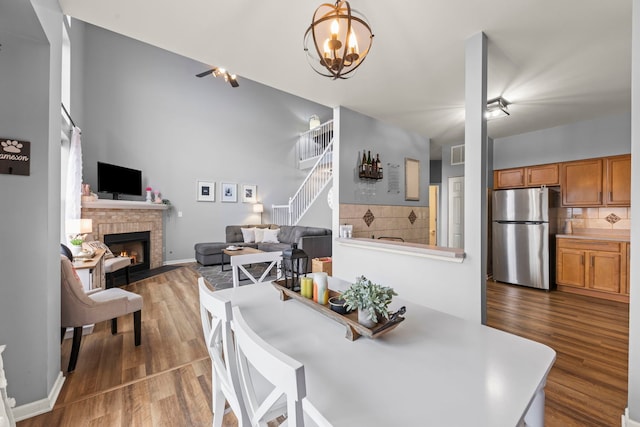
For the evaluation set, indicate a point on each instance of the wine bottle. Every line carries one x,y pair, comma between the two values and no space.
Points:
369,164
363,165
378,166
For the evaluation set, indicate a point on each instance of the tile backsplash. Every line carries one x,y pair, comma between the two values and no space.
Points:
607,218
406,222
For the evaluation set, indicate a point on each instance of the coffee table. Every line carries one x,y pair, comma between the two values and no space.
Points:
242,251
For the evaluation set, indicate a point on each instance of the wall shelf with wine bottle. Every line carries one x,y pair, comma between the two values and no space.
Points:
370,168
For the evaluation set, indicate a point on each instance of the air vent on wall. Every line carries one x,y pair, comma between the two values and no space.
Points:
457,155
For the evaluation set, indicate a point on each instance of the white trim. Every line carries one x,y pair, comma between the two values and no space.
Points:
123,204
409,249
38,407
628,422
179,261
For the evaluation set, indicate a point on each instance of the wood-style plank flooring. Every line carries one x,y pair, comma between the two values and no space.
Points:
587,385
167,380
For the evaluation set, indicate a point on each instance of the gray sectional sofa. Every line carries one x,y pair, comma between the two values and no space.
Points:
315,241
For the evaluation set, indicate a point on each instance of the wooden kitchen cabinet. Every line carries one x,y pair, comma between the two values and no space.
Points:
618,181
592,267
627,282
597,182
542,175
530,176
582,182
508,178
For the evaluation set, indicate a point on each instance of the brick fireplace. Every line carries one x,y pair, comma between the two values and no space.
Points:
115,217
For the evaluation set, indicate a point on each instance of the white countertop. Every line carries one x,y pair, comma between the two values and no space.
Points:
434,369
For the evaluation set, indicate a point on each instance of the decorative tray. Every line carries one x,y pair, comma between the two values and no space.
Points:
350,320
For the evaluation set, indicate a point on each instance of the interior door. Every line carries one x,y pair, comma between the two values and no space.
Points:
456,212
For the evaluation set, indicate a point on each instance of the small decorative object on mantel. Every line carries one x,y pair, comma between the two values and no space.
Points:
370,299
149,195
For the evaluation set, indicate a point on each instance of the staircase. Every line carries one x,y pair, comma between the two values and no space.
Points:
315,150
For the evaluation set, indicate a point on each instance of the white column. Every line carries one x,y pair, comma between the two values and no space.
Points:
475,145
633,401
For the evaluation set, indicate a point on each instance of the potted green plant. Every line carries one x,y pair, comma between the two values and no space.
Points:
76,245
371,300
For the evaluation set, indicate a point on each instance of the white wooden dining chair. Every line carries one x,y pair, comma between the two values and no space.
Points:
283,372
216,325
238,263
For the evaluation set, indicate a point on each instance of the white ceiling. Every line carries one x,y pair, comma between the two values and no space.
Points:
556,61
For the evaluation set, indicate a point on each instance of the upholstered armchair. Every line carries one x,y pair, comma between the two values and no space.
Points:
81,308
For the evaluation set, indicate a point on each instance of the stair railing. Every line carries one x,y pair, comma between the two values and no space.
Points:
315,182
313,142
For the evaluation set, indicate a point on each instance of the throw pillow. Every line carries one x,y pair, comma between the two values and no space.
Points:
97,244
259,232
271,236
248,235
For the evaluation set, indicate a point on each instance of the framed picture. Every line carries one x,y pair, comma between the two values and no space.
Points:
249,194
411,179
228,192
206,191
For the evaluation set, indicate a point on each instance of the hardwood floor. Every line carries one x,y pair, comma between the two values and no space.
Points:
167,380
587,385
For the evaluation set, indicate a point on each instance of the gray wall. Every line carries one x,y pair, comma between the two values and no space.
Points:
359,132
605,136
145,109
29,252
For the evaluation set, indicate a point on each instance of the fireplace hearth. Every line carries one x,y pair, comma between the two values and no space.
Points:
134,245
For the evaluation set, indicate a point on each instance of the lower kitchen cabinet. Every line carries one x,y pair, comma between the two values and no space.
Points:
597,268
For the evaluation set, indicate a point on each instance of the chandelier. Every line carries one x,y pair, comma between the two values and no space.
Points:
341,39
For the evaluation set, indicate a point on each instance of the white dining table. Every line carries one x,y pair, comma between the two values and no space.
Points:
433,369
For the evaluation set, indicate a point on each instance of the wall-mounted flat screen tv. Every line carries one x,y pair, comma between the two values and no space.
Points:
119,180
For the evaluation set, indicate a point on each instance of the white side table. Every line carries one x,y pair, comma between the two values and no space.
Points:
91,271
6,403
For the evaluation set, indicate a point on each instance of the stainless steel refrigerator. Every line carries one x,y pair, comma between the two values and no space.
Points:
521,236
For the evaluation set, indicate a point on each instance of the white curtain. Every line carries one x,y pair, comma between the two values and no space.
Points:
74,177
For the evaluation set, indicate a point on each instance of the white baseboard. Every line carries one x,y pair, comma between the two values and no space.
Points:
86,330
38,407
179,261
628,422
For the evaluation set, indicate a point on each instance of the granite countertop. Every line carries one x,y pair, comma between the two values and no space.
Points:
611,235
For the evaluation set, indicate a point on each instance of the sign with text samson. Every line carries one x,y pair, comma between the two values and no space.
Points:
15,157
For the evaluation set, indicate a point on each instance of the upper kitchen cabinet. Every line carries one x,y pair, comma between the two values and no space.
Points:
582,183
531,176
597,182
618,181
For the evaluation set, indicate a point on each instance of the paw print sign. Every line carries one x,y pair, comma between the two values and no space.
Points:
15,157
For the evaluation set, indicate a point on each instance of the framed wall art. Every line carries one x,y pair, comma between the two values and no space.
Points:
228,192
206,191
411,179
249,194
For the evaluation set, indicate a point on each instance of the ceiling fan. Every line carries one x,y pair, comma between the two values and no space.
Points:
221,72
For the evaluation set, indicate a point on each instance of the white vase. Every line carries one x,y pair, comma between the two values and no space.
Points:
76,249
364,320
148,196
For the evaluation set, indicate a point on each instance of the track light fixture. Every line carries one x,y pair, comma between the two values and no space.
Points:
221,72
